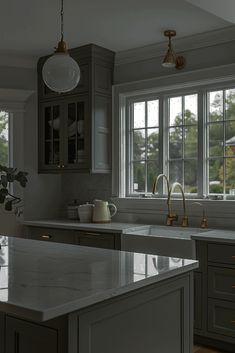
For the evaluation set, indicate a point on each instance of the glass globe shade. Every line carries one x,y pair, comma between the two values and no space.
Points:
61,73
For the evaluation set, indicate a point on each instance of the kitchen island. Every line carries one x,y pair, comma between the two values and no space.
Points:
62,298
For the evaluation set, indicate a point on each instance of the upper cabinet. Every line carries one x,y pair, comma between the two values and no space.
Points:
75,127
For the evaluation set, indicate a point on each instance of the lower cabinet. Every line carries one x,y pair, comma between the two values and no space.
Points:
21,336
76,237
198,300
215,295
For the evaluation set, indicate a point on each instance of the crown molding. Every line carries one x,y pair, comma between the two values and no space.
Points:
196,41
14,99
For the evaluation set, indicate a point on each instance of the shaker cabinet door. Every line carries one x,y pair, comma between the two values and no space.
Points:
76,139
50,136
26,337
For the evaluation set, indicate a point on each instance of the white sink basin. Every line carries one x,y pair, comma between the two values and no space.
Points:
161,240
167,232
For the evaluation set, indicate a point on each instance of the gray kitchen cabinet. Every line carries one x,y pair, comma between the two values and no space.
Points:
198,300
98,239
2,332
22,336
216,305
51,234
75,127
77,237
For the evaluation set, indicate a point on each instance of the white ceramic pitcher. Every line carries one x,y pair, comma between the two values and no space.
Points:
103,211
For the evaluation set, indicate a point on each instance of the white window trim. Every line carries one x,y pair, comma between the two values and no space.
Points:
202,80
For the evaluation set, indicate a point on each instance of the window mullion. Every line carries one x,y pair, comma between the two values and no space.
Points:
162,141
224,148
146,146
202,141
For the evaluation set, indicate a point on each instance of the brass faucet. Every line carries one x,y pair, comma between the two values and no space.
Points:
204,223
170,216
185,217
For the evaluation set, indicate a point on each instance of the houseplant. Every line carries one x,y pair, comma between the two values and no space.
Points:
8,176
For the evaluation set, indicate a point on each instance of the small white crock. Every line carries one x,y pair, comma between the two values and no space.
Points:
85,212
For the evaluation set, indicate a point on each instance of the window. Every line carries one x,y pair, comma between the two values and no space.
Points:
183,141
4,138
190,137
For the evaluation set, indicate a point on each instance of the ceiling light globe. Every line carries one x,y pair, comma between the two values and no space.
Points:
61,73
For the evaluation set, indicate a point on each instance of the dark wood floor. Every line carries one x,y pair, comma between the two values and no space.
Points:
200,349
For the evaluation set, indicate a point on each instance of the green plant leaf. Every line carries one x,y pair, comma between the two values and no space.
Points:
2,198
4,181
8,206
4,192
10,177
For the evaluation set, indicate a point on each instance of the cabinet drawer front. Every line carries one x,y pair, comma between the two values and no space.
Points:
97,240
221,253
221,317
51,234
221,283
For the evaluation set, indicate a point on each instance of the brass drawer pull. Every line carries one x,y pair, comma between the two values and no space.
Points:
91,233
233,322
233,286
46,236
233,257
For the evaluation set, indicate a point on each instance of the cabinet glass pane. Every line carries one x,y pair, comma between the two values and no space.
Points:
52,134
75,128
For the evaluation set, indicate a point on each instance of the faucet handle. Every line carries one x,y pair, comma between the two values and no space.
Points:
204,223
171,218
184,221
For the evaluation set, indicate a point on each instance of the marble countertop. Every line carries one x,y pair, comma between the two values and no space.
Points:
40,281
127,229
113,227
218,235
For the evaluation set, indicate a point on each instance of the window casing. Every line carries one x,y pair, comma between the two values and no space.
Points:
184,147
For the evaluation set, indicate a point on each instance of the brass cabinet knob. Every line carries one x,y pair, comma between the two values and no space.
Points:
62,166
58,166
46,236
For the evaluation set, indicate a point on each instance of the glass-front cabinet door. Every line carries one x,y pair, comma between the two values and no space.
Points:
76,133
51,153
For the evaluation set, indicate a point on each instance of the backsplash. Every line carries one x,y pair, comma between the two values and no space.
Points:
85,187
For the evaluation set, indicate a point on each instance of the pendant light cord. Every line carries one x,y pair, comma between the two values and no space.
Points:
62,20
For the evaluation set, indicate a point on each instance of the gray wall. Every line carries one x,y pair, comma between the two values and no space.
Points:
201,52
42,195
47,195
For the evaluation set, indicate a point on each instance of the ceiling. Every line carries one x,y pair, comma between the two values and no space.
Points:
31,27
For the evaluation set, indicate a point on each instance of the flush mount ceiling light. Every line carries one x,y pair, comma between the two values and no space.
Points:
171,59
60,72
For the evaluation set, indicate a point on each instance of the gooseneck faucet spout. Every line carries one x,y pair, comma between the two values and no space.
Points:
170,216
185,217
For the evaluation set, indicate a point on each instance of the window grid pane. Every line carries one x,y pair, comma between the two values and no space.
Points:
221,142
144,145
183,141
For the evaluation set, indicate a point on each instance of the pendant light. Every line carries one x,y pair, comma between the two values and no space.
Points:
60,72
172,60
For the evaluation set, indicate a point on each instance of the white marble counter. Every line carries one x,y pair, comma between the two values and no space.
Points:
41,281
218,235
113,227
